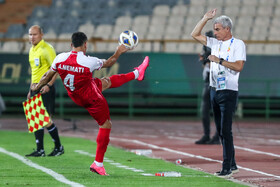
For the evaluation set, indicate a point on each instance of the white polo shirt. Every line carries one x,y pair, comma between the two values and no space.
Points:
231,50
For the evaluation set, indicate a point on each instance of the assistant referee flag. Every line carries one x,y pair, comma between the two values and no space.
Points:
35,113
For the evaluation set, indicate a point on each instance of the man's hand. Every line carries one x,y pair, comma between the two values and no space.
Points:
210,14
34,87
122,49
45,89
213,58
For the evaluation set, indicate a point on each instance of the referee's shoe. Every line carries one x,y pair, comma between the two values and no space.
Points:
57,151
37,153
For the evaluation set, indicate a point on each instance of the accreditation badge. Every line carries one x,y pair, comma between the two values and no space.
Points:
37,61
221,80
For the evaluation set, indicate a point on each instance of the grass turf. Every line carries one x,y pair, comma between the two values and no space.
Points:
75,166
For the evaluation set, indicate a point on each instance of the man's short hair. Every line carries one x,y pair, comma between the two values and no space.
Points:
38,27
78,39
225,21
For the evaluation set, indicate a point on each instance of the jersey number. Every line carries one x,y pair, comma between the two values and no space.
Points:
69,82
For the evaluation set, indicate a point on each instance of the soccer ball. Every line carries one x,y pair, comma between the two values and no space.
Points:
129,39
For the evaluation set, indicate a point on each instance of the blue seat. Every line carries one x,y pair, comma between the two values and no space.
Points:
58,12
40,12
15,31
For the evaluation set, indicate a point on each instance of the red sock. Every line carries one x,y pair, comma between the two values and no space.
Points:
120,79
102,141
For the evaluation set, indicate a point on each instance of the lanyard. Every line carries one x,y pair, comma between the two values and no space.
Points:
228,50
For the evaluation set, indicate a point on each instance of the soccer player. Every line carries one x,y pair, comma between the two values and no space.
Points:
75,70
41,56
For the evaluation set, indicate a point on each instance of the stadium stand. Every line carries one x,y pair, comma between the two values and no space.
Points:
167,20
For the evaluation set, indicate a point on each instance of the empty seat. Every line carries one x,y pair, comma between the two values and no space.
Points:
58,12
186,36
15,31
50,37
158,20
172,32
87,28
186,47
154,36
141,31
124,21
141,20
117,30
264,10
272,49
171,47
26,45
40,12
161,10
104,31
196,11
242,32
198,3
273,31
112,46
215,2
12,47
255,48
259,33
231,11
262,21
246,21
277,12
64,46
275,22
176,21
248,11
250,2
231,3
179,10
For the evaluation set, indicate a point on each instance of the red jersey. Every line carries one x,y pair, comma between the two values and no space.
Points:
75,70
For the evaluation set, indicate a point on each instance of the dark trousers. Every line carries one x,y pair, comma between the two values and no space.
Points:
48,99
205,109
224,105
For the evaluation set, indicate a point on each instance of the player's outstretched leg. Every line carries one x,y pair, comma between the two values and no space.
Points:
138,73
142,68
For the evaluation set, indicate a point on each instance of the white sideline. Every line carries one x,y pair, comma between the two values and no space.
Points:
119,165
50,172
189,155
237,147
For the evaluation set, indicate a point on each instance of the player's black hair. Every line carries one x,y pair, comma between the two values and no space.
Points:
78,39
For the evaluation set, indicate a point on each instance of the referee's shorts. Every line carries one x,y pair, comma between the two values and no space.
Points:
48,99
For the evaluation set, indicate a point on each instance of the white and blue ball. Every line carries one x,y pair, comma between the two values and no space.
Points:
129,39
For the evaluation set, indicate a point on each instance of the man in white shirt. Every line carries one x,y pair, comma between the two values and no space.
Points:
228,56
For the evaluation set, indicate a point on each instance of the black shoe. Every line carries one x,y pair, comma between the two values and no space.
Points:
203,140
234,169
37,153
224,174
214,141
57,151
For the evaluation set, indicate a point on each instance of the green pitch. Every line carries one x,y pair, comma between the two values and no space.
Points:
125,168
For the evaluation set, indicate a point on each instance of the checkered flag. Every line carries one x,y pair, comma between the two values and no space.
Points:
35,113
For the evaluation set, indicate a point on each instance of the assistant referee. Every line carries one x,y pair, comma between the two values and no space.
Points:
41,56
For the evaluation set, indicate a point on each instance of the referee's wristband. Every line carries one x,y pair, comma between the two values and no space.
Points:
48,85
221,61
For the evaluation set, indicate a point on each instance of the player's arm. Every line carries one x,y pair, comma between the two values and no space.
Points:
196,33
47,77
46,88
113,59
